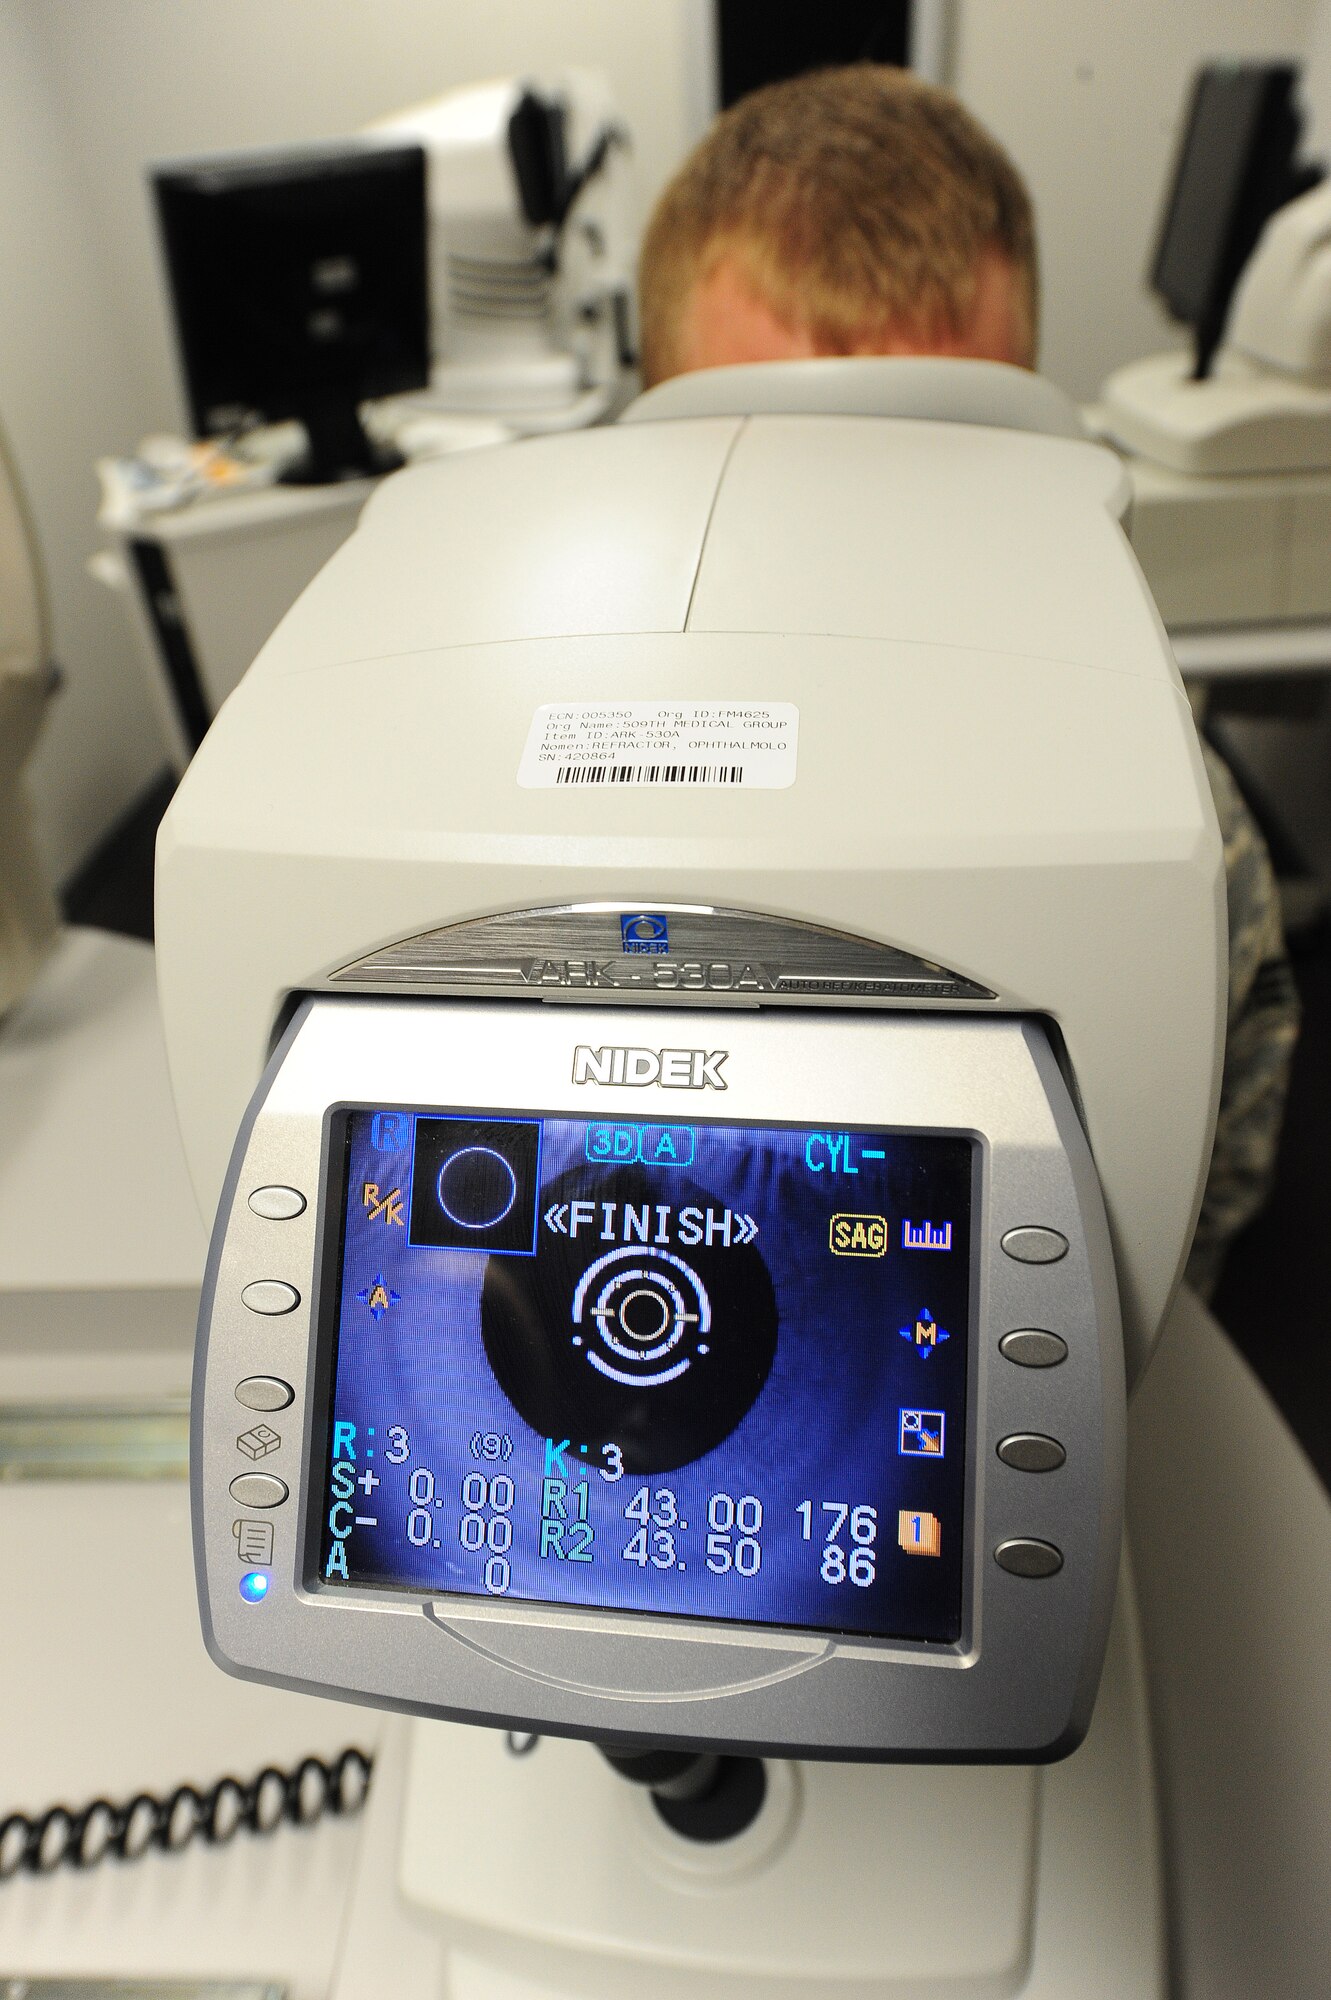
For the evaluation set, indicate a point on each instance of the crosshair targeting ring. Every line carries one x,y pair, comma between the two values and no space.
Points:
660,1350
641,1314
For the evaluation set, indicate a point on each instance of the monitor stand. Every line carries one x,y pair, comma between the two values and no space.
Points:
340,447
1243,418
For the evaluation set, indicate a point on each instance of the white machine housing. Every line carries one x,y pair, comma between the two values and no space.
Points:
998,810
997,767
527,322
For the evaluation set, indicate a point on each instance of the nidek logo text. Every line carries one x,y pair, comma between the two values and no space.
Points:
673,1069
643,933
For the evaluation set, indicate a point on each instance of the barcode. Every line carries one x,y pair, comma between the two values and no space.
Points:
650,774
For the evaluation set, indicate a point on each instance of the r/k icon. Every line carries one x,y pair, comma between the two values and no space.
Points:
385,1207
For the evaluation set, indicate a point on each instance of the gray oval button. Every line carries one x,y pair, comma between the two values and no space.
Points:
1023,1556
270,1295
258,1489
264,1392
1032,1347
1030,1245
278,1204
1029,1451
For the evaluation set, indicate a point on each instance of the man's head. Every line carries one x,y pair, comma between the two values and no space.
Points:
852,211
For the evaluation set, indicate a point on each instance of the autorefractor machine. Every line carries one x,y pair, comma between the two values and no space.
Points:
693,972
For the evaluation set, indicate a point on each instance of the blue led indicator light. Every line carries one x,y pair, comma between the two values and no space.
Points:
254,1586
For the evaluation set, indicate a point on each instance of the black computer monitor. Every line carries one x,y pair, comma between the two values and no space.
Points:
1235,167
758,44
300,289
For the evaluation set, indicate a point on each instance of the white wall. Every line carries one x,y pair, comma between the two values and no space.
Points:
65,397
1316,84
1088,96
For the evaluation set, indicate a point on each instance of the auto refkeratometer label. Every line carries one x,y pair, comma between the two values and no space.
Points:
690,743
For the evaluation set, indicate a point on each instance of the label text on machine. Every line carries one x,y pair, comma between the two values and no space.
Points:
673,1069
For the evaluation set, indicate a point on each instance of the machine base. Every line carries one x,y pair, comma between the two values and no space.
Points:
489,1876
1242,418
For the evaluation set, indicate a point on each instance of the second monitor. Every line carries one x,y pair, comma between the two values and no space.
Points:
300,290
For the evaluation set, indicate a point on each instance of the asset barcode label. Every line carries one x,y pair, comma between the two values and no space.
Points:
702,743
650,774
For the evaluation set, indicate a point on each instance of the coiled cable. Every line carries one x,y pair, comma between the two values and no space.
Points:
40,1843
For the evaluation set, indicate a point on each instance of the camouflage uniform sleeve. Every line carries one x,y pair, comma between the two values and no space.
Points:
1262,1028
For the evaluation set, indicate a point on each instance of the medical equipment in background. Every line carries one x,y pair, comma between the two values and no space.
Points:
530,268
1231,459
531,262
703,1120
298,283
28,915
1235,168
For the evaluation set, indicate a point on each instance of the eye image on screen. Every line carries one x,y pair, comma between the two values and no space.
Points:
660,1349
704,1370
474,1184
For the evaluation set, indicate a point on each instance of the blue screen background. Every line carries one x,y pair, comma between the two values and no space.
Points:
437,1482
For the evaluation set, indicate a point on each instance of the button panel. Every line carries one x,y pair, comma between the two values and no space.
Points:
1031,1451
258,1489
264,1392
1033,1347
1032,1245
278,1204
270,1295
1024,1556
1014,1698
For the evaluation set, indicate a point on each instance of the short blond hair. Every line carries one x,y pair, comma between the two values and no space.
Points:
855,201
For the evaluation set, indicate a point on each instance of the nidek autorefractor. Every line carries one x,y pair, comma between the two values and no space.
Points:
717,924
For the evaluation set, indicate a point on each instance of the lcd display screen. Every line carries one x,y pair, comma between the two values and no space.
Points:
699,1369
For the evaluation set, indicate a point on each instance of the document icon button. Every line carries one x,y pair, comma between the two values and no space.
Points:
254,1542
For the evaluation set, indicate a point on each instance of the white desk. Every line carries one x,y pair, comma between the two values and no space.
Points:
1241,572
101,1243
1227,652
206,584
108,1691
107,1687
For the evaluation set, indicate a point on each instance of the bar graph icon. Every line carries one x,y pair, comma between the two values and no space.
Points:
926,1236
